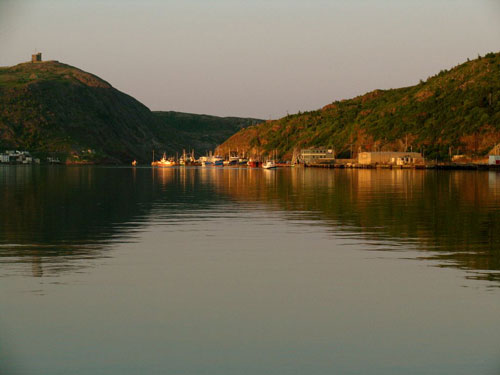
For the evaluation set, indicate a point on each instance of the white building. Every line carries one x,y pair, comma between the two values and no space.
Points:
17,156
494,155
494,160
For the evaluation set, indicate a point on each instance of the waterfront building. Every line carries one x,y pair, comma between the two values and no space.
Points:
494,160
390,157
15,157
317,155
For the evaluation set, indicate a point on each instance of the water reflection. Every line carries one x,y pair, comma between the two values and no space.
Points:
55,217
453,216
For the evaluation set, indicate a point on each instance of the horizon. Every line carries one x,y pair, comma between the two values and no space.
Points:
260,60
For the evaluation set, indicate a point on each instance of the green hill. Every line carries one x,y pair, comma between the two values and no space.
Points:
457,109
53,108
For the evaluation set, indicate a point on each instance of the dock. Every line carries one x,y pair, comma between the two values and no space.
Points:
439,166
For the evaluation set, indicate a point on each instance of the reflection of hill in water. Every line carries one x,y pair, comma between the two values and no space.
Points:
54,216
59,213
454,215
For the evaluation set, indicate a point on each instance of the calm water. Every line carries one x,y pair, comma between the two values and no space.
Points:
236,271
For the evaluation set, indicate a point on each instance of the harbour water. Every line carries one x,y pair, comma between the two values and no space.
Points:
107,270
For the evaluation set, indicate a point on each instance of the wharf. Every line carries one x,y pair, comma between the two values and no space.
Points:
439,166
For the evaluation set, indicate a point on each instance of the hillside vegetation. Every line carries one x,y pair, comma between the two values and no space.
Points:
202,132
456,111
54,108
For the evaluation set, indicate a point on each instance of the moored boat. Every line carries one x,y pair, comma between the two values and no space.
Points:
233,160
270,164
218,161
205,161
163,162
254,163
188,159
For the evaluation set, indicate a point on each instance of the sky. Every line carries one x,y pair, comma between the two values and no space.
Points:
250,58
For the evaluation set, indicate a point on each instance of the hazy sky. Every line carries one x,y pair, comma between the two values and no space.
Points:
250,57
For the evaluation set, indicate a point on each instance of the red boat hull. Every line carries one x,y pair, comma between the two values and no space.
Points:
254,164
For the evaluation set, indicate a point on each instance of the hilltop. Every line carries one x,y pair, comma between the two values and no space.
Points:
456,110
53,108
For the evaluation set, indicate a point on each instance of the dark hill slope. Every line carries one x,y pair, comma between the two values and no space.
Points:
202,132
459,108
53,107
50,107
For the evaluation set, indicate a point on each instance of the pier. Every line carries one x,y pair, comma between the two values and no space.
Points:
438,166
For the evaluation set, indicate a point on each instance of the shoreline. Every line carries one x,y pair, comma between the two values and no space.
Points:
449,167
438,166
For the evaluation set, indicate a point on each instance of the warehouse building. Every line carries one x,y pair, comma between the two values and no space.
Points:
390,157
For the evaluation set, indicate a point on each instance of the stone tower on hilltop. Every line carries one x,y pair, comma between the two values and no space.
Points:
37,57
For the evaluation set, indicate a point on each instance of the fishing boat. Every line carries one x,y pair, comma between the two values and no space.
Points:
270,164
187,159
254,163
218,161
163,162
205,161
134,163
231,161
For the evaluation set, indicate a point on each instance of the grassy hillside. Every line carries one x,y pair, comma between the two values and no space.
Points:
54,108
51,107
203,132
457,109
